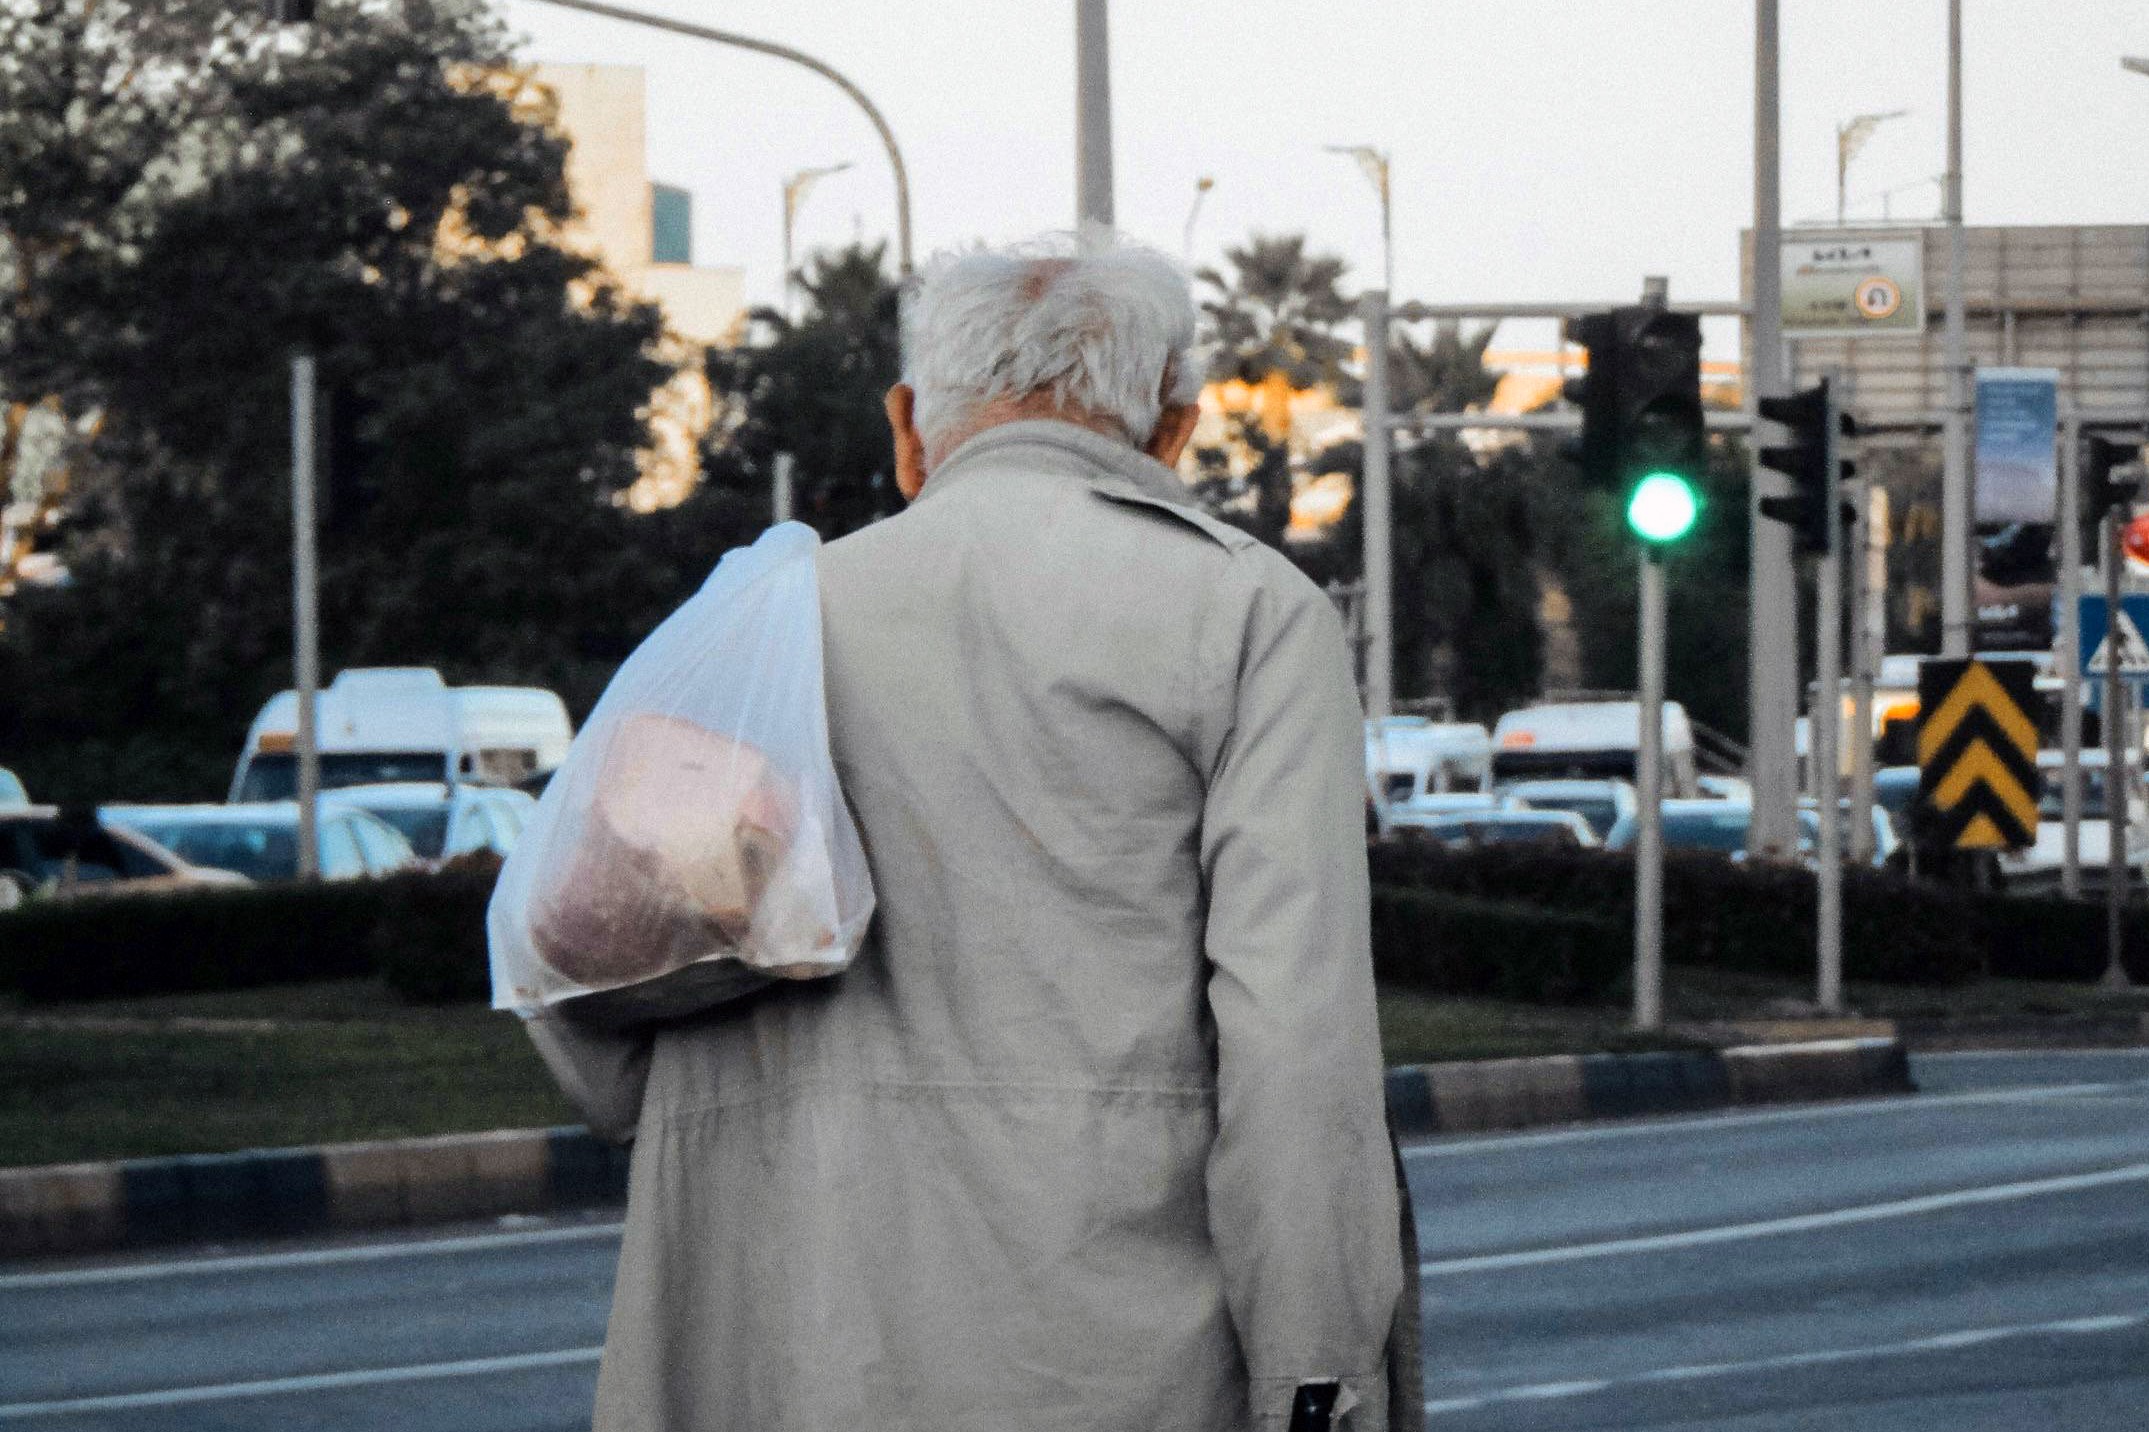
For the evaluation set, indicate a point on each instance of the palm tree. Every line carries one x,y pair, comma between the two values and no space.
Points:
1277,313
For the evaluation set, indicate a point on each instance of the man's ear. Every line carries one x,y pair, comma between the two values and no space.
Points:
902,406
1175,429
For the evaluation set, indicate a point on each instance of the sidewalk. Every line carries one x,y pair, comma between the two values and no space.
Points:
79,1208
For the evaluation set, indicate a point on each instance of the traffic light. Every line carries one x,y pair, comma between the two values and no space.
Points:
1642,431
2101,492
1810,415
291,12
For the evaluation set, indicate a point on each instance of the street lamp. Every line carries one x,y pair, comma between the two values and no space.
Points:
795,190
1202,186
1375,164
2135,63
796,57
1851,136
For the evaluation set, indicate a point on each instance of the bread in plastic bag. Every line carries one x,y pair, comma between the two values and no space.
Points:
695,844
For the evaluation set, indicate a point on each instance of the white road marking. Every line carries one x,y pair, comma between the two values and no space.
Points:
306,1257
312,1382
1636,1128
1800,1223
1787,1362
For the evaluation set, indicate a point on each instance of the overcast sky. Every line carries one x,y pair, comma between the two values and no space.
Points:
1543,149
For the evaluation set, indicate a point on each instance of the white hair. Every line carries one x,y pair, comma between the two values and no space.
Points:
1104,327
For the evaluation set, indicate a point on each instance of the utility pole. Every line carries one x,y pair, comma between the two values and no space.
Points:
1093,115
1772,617
1859,550
2067,653
795,189
1649,802
1826,721
1955,635
1202,186
305,613
1374,503
1374,162
780,497
2118,783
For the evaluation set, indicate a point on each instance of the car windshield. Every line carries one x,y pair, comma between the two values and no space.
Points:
1723,830
256,850
273,776
425,827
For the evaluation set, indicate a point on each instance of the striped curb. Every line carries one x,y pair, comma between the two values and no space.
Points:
201,1198
1574,1088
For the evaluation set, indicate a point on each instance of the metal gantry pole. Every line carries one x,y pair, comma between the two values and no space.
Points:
1772,617
796,57
1649,812
780,496
1374,508
2067,653
2118,784
1955,633
1825,721
305,612
1093,115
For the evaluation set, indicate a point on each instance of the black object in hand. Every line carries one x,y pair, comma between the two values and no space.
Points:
1313,1406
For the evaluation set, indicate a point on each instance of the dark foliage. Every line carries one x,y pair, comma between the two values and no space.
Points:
1458,944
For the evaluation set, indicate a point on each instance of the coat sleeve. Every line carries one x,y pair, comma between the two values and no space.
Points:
602,1074
1301,1185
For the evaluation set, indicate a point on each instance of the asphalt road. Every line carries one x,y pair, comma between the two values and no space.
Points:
1975,1258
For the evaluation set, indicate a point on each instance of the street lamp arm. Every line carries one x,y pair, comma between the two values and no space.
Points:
796,57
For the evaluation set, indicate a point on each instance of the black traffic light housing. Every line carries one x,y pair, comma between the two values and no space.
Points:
1804,459
291,12
1641,397
2101,492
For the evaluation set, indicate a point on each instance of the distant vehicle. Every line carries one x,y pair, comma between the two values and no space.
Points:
1559,829
1724,827
1601,803
1590,740
1408,757
259,839
442,822
12,795
383,724
2039,867
1725,788
1895,790
50,853
1885,840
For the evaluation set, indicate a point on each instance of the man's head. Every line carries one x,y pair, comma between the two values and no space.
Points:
1097,334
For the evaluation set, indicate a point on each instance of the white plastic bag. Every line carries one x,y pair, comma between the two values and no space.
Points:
694,845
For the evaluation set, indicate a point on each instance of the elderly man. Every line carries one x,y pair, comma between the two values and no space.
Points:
1091,1135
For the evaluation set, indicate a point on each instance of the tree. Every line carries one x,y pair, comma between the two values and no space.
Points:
384,192
815,389
1277,314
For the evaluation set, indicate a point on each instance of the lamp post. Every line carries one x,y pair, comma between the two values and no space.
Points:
1851,136
1202,186
1093,115
795,190
796,57
1375,164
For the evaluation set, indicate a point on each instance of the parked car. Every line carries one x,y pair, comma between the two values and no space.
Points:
12,795
260,840
1559,829
1601,803
47,852
440,821
2039,867
1885,839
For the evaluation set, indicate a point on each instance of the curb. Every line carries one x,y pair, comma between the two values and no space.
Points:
391,1183
199,1198
1574,1088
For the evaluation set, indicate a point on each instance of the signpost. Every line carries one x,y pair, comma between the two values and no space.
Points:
1836,283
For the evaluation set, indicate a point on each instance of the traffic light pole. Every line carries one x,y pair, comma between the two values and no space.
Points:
305,612
2067,659
1374,509
2118,785
1649,812
1823,725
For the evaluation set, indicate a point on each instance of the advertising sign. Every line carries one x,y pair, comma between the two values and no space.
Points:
2017,454
1840,284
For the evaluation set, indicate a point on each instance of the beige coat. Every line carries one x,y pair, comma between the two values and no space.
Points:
1091,1136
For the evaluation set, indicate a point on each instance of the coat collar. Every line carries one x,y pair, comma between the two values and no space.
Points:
1048,443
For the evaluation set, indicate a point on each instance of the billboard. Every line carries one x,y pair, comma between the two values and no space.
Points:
2016,473
1847,284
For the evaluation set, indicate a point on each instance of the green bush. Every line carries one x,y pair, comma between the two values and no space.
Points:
1759,918
1456,944
428,941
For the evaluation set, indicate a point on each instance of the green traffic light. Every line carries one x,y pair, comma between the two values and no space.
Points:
1663,507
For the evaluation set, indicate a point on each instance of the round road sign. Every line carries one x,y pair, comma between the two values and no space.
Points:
1877,297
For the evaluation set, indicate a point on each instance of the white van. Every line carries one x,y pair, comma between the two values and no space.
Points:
1408,757
403,723
1590,740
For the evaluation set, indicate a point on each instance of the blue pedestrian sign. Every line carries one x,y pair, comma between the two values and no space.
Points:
2128,644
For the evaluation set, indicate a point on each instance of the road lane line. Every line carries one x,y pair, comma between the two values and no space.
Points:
1788,1362
1799,1223
311,1382
1636,1128
307,1257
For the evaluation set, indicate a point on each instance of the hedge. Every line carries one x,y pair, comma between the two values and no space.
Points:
1455,944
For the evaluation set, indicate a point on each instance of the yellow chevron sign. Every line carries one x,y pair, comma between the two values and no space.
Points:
1977,749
